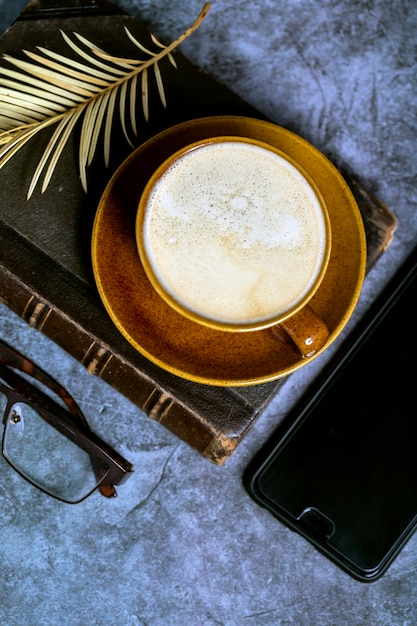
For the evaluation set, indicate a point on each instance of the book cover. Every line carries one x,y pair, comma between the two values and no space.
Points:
45,265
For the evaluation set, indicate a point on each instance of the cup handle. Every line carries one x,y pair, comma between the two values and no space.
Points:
307,331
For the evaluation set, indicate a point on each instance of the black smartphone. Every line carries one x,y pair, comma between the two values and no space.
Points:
342,468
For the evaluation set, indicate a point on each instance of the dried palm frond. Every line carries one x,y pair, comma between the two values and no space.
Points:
51,89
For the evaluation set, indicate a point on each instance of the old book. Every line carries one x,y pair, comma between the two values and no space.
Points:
45,266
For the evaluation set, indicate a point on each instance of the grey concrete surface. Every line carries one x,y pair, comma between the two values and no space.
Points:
183,543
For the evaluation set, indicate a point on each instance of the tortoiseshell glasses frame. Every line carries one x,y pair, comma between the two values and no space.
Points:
23,394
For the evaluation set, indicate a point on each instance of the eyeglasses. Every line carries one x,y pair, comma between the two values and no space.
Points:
46,438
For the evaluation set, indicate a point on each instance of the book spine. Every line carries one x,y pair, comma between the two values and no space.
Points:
100,361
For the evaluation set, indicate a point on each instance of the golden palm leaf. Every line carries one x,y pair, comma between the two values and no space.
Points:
50,89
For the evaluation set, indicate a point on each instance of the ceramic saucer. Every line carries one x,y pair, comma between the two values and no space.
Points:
188,349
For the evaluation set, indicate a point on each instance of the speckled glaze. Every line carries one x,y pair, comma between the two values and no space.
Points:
186,348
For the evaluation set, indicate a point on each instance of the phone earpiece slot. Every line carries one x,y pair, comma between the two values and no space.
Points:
316,522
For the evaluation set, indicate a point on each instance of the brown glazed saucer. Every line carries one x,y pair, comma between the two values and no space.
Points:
186,348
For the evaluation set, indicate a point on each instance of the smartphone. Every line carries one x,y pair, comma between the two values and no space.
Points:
342,468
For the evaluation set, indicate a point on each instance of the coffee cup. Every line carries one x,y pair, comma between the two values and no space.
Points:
233,234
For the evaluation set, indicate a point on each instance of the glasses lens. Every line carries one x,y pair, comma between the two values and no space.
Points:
48,458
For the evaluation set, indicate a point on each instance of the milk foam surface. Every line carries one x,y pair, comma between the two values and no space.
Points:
235,233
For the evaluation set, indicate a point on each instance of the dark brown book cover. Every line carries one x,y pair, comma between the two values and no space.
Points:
45,265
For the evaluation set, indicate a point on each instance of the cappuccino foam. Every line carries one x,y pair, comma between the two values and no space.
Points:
234,233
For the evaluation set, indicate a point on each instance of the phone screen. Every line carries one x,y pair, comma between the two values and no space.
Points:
343,473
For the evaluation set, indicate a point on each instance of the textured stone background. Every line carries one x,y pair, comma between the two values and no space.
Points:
183,543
